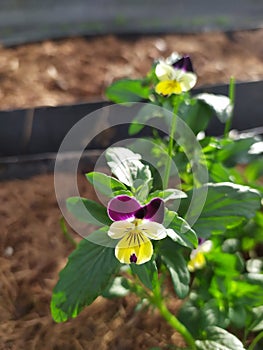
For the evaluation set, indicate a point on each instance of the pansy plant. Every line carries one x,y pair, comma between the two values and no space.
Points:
122,255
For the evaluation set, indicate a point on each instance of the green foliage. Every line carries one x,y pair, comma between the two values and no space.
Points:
220,105
227,205
179,230
88,272
175,262
88,211
127,90
218,338
107,185
127,167
147,273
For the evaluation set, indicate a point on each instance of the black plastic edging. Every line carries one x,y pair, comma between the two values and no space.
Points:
41,130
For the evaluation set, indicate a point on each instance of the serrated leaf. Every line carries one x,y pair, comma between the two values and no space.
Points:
219,339
107,185
127,90
127,167
147,273
176,265
179,230
88,272
226,206
220,104
86,210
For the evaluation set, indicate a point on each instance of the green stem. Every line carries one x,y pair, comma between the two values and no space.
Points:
255,341
170,145
175,323
231,94
66,233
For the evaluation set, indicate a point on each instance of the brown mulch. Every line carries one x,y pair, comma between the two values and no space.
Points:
32,247
74,70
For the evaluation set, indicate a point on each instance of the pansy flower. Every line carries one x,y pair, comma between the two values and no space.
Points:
135,225
176,77
197,256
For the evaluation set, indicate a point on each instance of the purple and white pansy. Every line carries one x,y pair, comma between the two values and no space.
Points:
175,77
135,224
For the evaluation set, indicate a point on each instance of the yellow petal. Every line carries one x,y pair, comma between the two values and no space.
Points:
197,262
168,87
127,251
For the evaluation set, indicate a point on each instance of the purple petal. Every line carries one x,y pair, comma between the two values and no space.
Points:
201,240
184,63
123,208
153,211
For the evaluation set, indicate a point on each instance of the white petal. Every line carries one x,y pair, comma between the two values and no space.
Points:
187,81
119,228
164,71
153,230
206,247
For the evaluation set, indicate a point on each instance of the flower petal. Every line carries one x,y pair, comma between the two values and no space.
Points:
155,210
164,71
138,254
119,228
122,208
153,230
188,81
197,262
205,247
184,63
168,87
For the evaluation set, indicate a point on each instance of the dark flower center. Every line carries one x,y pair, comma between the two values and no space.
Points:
133,258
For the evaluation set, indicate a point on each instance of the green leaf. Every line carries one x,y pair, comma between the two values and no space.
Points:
257,320
86,210
168,194
142,191
88,272
196,114
106,184
226,206
238,315
176,265
220,105
146,113
219,339
179,230
236,151
127,167
127,90
147,273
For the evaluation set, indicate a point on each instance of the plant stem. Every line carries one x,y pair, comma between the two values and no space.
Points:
170,145
231,94
66,233
255,341
175,323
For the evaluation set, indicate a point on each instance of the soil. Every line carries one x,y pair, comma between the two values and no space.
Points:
79,69
32,247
